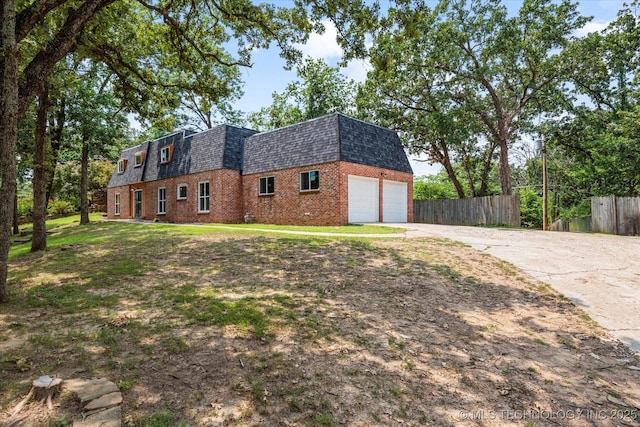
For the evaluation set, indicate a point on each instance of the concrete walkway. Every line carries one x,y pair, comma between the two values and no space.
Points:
600,273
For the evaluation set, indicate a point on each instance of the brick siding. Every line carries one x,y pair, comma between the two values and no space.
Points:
225,206
233,195
326,206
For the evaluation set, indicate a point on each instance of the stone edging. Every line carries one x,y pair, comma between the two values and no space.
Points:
100,399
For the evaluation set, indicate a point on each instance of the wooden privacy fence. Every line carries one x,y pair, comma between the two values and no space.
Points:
490,210
615,215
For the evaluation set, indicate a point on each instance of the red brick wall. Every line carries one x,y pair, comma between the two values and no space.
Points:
125,207
231,196
327,206
225,204
288,205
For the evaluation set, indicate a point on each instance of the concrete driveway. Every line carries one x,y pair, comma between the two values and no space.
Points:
600,273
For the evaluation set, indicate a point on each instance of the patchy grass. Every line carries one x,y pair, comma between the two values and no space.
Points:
346,229
200,325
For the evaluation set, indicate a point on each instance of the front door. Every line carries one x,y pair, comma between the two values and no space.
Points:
137,204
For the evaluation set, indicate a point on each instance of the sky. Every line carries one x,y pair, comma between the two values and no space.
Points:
268,73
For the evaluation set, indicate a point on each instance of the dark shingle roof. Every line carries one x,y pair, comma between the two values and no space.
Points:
131,174
325,139
368,144
217,148
322,140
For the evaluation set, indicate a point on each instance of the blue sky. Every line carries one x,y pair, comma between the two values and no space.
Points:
268,74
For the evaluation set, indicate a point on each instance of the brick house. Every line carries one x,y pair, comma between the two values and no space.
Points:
331,170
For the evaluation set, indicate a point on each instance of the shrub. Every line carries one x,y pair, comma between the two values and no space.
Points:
60,207
530,208
25,207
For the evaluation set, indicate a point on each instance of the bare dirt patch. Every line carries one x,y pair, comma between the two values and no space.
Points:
242,330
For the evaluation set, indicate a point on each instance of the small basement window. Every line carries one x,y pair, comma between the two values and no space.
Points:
267,185
138,159
309,181
182,191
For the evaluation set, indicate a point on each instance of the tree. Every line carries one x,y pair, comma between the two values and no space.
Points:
595,148
462,79
437,186
193,31
320,90
9,113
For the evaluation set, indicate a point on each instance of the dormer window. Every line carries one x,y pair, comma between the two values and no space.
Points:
165,154
122,165
138,159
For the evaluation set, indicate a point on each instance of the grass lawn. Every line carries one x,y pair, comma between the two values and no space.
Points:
200,325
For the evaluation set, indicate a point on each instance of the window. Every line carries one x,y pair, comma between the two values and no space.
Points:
138,159
116,205
267,184
162,200
309,181
165,154
122,165
182,191
203,197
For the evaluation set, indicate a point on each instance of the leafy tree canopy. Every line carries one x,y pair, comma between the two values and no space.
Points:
320,90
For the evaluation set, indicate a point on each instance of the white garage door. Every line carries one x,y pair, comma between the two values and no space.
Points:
394,201
363,199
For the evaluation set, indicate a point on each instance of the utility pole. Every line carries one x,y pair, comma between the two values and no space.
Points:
545,189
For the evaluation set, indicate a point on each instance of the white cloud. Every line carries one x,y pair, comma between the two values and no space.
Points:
592,27
357,70
323,46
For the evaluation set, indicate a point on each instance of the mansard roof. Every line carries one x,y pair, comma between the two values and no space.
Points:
331,138
326,139
216,148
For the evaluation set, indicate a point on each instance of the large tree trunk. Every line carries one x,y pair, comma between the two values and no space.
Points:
56,126
84,167
39,182
17,94
16,228
505,169
445,160
8,134
486,169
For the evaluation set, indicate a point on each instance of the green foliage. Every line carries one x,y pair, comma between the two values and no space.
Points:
25,207
530,208
460,82
66,182
60,207
433,187
594,150
159,419
321,90
172,62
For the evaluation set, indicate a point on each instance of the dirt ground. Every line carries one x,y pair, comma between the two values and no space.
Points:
600,273
326,332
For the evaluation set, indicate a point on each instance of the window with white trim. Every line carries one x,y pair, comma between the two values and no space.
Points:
182,191
266,186
309,181
122,165
162,200
116,204
165,154
138,159
203,197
